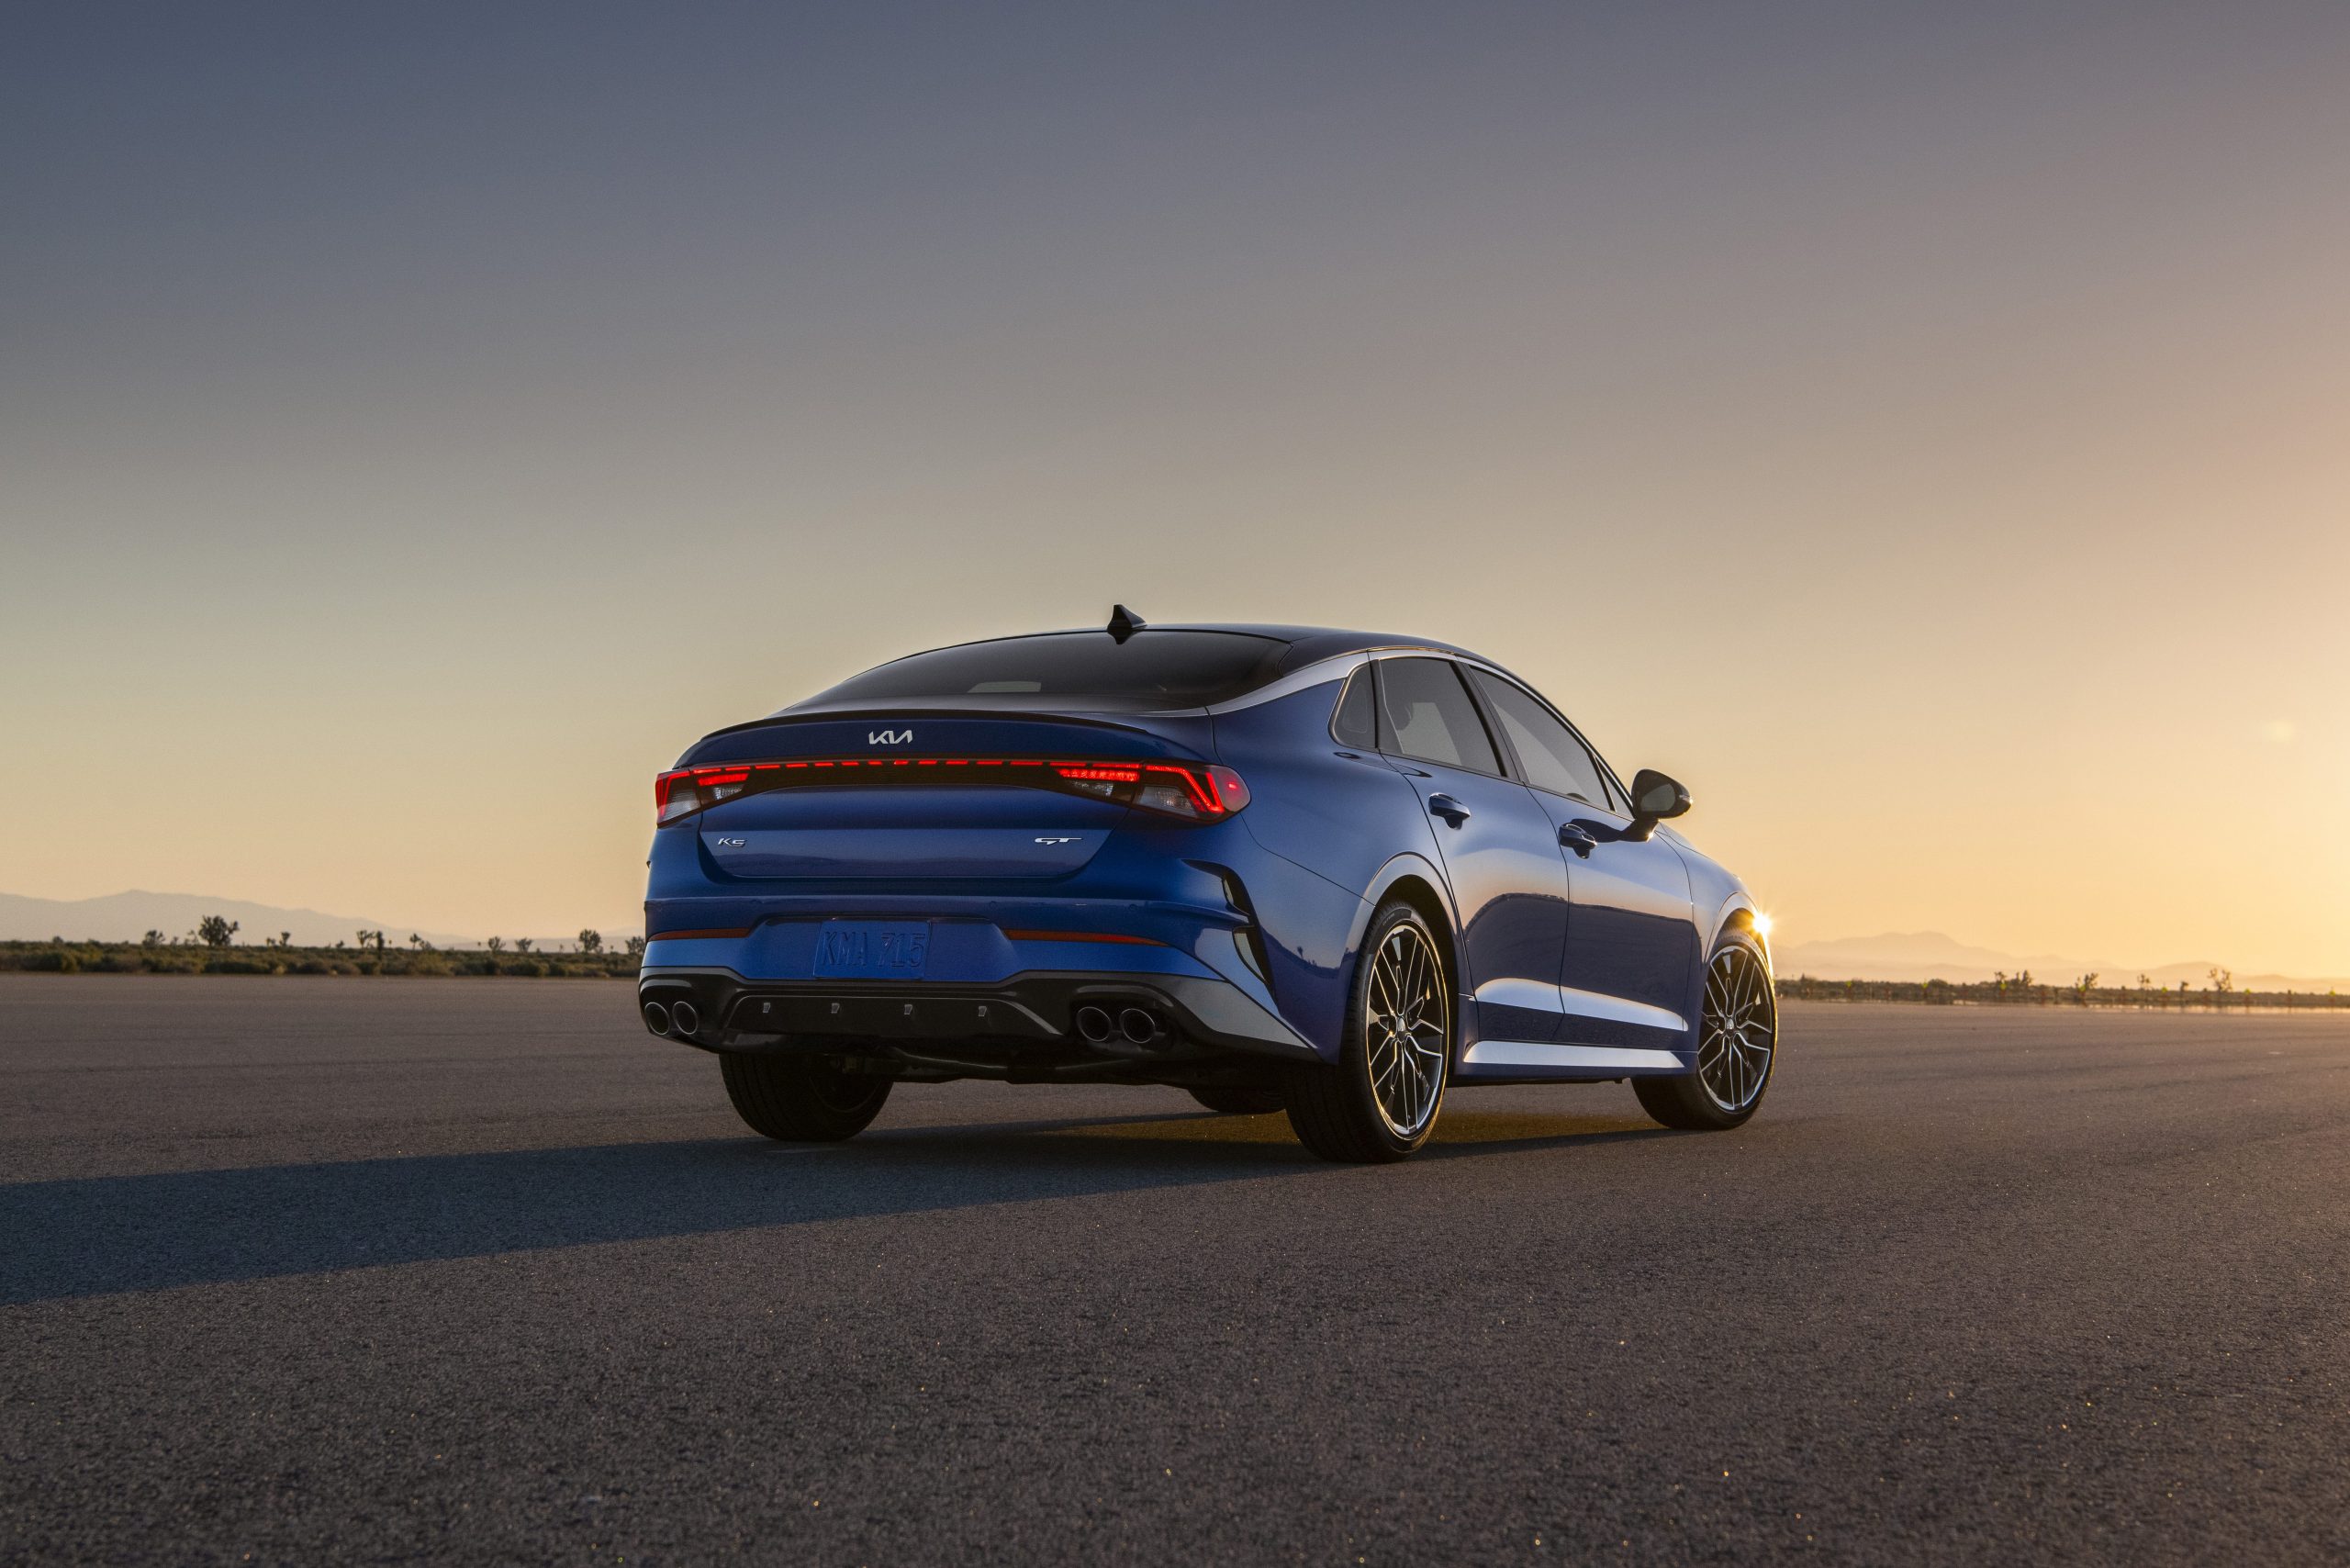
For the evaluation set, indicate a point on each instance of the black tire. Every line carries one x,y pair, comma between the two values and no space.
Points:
1718,1096
1336,1111
801,1099
1225,1101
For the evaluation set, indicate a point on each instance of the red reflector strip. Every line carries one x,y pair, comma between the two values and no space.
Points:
1083,936
689,935
1209,792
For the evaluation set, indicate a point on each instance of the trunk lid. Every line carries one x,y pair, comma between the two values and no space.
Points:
901,796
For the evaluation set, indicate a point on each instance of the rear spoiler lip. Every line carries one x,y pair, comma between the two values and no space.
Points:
1178,745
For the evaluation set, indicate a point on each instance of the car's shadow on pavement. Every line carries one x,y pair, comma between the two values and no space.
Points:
102,1235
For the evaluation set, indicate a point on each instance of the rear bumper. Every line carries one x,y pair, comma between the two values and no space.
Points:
1005,966
1031,1015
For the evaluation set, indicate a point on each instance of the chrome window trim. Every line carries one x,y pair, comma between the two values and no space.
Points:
1339,666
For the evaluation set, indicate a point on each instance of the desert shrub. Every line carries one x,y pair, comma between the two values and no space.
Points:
61,956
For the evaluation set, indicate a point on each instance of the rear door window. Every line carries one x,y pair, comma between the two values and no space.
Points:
1426,713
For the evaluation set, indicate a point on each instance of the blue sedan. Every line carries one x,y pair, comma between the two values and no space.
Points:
1284,869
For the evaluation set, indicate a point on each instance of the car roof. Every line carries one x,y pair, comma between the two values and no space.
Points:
1306,645
1309,644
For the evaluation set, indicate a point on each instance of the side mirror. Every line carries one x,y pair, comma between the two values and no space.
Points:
1654,798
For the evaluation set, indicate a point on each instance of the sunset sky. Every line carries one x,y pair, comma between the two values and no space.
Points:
1923,431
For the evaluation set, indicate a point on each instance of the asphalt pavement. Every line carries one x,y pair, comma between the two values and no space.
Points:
475,1270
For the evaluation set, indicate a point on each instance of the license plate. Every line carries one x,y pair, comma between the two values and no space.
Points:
872,949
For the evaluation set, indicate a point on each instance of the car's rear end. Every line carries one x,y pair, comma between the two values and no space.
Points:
1013,859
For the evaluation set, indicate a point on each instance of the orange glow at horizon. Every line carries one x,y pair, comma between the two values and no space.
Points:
1921,432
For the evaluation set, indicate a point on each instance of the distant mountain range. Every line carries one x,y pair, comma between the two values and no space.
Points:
1929,955
126,917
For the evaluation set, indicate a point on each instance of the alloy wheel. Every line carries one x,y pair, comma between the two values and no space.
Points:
1407,1019
1739,1030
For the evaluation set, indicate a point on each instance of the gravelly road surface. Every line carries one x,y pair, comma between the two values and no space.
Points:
470,1272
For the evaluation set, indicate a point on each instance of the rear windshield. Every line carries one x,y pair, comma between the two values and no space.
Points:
1149,670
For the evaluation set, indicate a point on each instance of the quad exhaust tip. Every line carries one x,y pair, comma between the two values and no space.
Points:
1138,1026
1093,1022
683,1016
656,1018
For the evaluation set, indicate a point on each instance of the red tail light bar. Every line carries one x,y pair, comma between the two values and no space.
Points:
1189,791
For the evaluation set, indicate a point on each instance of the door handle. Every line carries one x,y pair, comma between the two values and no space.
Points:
1577,838
1451,810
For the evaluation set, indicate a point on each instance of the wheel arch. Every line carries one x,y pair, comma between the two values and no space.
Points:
1415,881
1740,915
